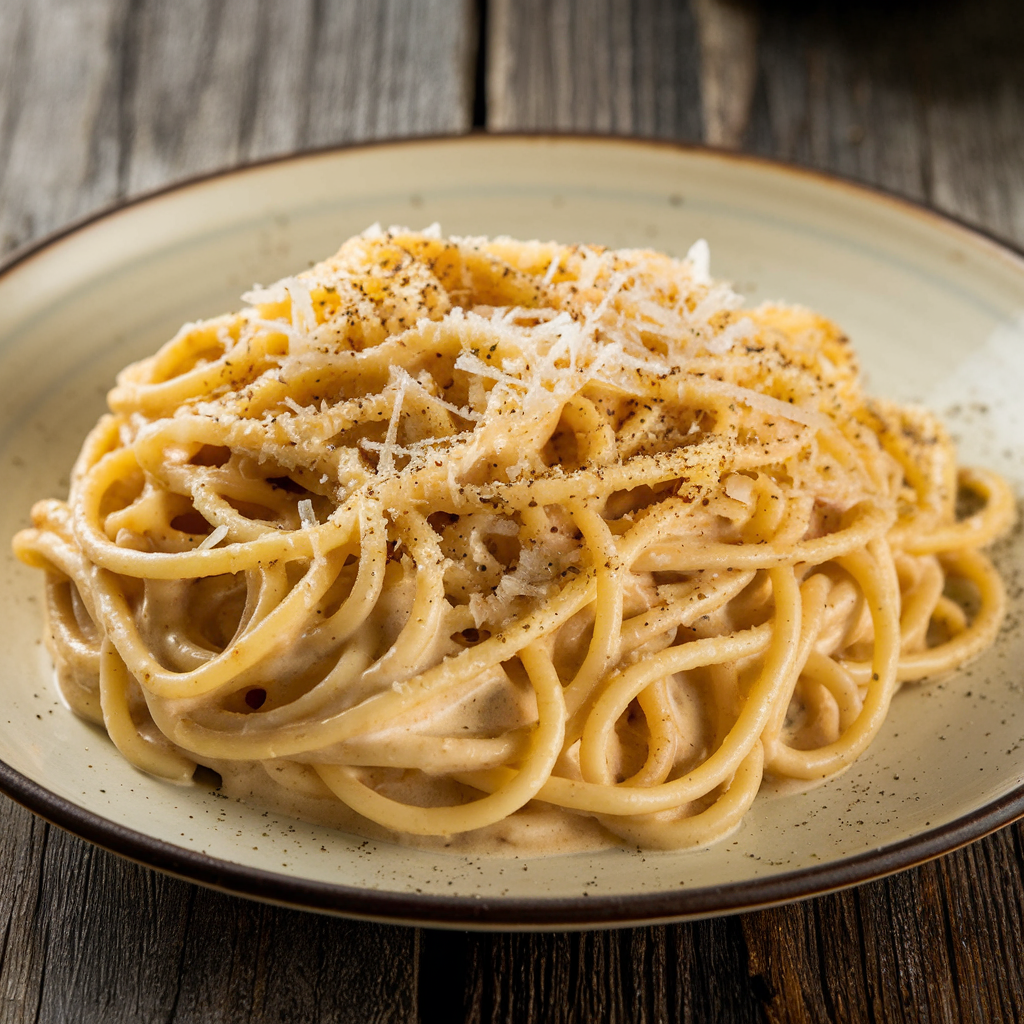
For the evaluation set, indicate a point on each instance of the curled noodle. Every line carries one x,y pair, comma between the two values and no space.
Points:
443,533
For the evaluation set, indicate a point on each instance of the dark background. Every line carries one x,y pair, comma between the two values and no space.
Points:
103,99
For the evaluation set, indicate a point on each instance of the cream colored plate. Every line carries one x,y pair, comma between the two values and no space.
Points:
935,310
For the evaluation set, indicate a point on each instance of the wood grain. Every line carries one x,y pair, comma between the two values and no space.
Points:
643,975
727,32
600,66
100,99
926,101
91,937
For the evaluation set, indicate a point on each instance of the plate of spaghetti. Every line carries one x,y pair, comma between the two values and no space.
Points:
632,538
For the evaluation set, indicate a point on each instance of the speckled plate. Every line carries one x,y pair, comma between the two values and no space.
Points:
934,308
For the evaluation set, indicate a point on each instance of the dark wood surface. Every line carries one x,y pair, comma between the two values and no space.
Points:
101,99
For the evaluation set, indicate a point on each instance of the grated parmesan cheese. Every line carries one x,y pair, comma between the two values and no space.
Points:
306,515
211,540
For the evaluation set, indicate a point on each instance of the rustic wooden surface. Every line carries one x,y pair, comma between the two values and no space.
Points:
100,99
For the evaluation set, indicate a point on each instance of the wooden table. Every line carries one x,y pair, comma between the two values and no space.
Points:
102,99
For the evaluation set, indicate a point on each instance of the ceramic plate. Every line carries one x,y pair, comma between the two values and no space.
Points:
934,308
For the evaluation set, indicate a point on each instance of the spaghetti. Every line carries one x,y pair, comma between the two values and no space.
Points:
509,541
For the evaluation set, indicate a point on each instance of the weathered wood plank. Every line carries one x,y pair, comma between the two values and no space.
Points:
728,68
54,80
940,943
100,99
88,937
928,103
106,98
685,974
21,895
605,66
929,106
943,943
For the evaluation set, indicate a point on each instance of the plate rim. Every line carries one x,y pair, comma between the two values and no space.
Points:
998,244
483,913
513,913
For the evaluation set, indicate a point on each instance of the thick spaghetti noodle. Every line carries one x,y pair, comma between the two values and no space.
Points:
457,536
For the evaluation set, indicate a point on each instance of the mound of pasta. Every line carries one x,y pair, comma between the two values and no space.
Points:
512,544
